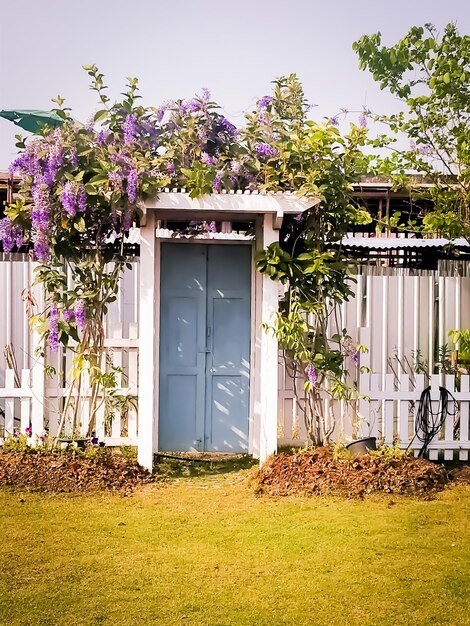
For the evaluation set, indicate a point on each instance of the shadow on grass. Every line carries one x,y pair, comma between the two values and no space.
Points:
194,465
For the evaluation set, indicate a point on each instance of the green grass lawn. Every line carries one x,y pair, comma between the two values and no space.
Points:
206,551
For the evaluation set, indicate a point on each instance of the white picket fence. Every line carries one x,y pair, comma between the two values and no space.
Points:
36,401
402,311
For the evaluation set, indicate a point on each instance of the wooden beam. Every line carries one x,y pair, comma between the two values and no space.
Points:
148,367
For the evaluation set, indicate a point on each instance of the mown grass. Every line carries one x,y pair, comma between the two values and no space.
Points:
207,551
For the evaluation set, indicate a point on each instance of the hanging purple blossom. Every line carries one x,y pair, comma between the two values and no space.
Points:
170,168
101,137
334,121
217,184
67,197
41,248
202,135
90,124
228,127
81,199
264,102
40,210
131,187
69,315
312,375
207,159
235,166
129,129
299,217
74,157
264,151
425,149
116,180
54,329
17,236
362,121
206,95
127,219
80,314
264,119
356,357
6,235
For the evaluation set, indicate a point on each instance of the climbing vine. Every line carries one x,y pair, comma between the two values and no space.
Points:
81,189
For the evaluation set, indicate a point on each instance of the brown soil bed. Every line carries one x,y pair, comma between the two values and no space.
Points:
318,472
69,473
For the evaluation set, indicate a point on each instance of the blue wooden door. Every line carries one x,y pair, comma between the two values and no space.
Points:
204,347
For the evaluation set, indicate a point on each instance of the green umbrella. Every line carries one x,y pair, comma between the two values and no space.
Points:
32,120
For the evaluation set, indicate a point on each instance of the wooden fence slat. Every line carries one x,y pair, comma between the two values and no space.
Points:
388,430
25,402
403,412
464,417
9,403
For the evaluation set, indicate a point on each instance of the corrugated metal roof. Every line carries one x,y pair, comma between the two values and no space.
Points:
394,243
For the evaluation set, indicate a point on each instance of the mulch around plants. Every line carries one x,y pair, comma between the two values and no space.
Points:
319,472
69,473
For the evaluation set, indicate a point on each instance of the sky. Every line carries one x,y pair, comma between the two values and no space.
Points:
176,47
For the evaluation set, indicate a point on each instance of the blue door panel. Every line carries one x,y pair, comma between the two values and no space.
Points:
178,429
229,414
204,347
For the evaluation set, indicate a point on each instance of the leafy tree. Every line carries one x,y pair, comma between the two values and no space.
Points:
429,73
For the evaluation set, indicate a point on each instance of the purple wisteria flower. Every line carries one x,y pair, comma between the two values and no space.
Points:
235,166
116,179
312,375
127,219
10,235
264,102
69,315
425,149
54,329
170,168
264,151
129,129
334,121
356,357
40,222
217,184
102,136
42,251
74,157
81,199
207,159
299,217
206,95
362,121
131,186
80,314
54,162
67,198
228,127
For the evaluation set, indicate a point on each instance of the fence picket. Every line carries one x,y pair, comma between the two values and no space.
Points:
388,430
9,403
25,402
464,417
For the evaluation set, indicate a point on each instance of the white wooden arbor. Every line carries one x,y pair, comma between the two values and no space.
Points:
267,212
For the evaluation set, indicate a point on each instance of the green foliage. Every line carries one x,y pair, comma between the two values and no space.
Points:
430,74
